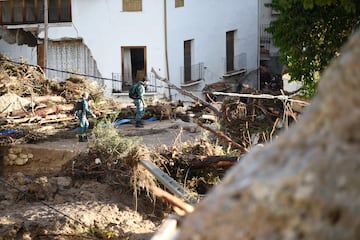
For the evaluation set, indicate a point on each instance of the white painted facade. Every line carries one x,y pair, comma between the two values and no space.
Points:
104,28
206,22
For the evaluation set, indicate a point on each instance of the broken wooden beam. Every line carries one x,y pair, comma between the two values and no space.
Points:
216,161
173,200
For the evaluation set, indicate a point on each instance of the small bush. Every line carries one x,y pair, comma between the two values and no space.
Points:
108,144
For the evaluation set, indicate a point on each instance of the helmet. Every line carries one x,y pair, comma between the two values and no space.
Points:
85,95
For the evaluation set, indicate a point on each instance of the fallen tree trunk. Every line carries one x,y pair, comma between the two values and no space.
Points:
56,120
283,98
44,111
46,99
24,120
54,109
186,93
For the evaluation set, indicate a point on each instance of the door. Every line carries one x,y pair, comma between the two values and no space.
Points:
133,65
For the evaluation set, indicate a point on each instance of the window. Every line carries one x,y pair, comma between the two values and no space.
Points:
32,11
179,3
132,5
187,61
191,73
230,36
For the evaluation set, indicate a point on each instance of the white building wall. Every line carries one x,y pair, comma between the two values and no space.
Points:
105,28
206,23
18,53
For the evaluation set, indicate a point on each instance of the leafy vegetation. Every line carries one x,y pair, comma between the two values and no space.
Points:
109,145
309,33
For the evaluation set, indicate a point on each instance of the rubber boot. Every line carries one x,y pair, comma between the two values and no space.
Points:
139,124
85,139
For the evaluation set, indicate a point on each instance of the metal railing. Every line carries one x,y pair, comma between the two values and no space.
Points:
240,64
265,41
195,73
119,86
116,82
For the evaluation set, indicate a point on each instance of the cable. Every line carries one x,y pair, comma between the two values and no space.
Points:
46,204
84,75
62,71
73,73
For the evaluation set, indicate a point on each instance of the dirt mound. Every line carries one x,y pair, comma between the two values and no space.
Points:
65,208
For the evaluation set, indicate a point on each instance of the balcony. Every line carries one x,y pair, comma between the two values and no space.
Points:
237,66
192,75
265,42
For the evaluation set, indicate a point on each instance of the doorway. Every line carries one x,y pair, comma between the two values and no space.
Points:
133,65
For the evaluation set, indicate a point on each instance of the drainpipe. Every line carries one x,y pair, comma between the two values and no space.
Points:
46,21
166,48
260,2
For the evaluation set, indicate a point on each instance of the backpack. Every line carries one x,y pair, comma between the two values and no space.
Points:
79,105
133,92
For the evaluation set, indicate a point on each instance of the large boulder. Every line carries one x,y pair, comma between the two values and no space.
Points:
303,185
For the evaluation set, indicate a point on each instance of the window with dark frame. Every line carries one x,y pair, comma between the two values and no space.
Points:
230,36
187,61
132,5
179,3
32,11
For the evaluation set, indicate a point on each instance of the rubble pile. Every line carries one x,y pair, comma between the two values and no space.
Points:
304,184
33,108
29,102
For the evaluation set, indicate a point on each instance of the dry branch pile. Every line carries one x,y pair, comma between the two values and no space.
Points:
29,101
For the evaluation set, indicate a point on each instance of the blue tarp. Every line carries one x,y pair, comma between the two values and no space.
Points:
152,119
121,121
10,131
126,120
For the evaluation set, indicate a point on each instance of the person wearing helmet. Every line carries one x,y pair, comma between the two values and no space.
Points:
81,114
140,102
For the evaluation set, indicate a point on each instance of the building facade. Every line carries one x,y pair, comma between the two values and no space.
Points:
115,42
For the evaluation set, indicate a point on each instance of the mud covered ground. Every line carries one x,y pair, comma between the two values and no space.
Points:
37,201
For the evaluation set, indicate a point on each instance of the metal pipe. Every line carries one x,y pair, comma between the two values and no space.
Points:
46,22
166,48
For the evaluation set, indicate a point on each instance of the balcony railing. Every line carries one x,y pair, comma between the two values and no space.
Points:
265,42
119,86
240,64
192,74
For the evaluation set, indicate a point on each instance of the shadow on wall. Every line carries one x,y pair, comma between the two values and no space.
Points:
18,36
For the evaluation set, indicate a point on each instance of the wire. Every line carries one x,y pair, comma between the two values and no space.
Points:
62,71
46,204
84,75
